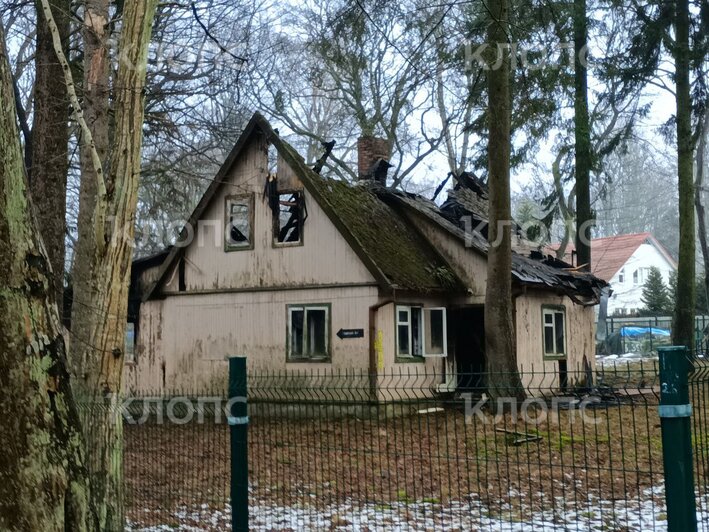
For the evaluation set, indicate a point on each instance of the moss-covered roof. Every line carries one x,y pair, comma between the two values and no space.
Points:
392,249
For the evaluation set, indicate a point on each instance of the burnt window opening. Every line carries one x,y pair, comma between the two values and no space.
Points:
289,218
239,223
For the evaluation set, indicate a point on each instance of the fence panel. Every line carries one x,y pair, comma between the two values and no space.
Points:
699,399
344,450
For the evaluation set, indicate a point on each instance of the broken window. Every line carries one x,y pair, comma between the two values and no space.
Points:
308,332
288,219
420,332
238,231
554,332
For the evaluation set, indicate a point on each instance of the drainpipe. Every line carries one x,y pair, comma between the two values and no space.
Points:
373,370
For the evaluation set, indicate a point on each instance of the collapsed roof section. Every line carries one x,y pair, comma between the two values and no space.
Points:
531,268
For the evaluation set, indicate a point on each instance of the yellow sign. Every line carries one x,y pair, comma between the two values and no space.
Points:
379,349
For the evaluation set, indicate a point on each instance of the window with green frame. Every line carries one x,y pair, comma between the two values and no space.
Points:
308,333
554,332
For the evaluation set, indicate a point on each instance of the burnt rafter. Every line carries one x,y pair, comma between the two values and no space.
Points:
297,213
320,163
270,193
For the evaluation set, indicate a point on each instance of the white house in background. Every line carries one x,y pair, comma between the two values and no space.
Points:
624,261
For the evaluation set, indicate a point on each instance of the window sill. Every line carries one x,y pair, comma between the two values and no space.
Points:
277,245
308,360
229,249
409,360
555,357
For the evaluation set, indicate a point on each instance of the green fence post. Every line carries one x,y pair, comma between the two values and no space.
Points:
675,412
239,423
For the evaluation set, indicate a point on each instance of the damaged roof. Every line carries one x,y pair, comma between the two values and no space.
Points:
529,269
390,247
396,254
374,221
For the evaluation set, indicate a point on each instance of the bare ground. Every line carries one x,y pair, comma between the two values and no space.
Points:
436,457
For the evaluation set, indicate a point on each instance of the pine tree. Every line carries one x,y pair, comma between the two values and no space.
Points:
655,294
672,288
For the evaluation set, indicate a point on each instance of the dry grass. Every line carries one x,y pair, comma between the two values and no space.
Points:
615,452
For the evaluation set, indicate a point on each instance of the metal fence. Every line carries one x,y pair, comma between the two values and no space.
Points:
648,342
405,451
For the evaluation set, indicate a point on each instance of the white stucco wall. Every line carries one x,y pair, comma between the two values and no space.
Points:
627,294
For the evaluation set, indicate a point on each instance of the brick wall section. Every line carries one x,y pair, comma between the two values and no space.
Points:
369,149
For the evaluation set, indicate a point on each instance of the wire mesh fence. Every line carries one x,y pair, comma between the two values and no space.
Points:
415,450
646,334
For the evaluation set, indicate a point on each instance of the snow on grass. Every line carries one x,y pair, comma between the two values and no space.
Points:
647,513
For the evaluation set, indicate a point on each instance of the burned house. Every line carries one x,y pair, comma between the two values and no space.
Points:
299,272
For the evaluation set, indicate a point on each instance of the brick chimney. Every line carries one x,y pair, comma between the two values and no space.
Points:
369,150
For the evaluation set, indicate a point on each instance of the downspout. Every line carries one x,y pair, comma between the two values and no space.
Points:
373,369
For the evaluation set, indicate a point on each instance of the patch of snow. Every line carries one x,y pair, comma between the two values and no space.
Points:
646,512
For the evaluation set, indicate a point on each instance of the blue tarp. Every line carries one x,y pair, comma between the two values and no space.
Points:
630,332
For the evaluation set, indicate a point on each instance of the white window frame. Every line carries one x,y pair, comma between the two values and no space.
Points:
553,311
289,333
409,323
246,200
621,276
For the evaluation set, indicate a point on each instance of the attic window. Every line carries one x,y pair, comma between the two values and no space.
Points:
288,221
239,211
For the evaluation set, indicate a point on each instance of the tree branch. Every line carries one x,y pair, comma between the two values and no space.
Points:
73,98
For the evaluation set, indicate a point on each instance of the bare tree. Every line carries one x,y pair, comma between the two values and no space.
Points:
49,142
109,199
370,65
45,484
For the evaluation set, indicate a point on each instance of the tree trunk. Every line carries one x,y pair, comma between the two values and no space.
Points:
105,246
683,322
50,139
566,205
44,480
582,134
699,203
500,355
96,112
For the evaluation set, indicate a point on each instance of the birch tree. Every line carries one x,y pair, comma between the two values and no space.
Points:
110,172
